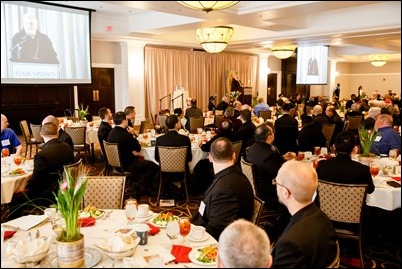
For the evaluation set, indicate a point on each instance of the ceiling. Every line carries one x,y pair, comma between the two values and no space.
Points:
352,29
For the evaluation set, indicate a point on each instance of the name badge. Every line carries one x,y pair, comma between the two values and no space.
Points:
5,142
378,139
201,209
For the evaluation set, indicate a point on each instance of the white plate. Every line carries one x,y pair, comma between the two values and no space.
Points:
92,258
194,254
163,225
205,238
147,216
81,214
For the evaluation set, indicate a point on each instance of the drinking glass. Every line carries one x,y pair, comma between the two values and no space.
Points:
317,150
17,160
374,170
393,153
131,212
5,152
300,155
145,136
173,229
185,227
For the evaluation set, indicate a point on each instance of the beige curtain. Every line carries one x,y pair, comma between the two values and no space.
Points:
200,73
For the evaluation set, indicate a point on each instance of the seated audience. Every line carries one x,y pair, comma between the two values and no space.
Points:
229,197
193,111
309,240
388,139
48,166
130,113
104,128
9,139
129,149
223,104
373,112
261,106
244,245
310,135
229,114
334,118
286,131
352,172
245,131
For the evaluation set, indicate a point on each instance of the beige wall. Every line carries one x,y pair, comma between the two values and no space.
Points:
106,52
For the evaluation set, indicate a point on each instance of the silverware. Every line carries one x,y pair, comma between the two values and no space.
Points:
107,215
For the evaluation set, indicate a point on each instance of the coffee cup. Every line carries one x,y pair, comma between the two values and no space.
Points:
143,210
198,232
142,232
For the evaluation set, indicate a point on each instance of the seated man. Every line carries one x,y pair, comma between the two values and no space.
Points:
229,197
389,139
129,149
309,240
48,166
63,136
8,138
104,128
244,245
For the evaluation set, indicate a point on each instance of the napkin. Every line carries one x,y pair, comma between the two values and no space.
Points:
181,253
85,222
118,243
153,229
397,179
8,234
25,248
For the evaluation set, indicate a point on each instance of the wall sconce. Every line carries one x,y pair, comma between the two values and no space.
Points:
208,6
379,59
283,52
214,39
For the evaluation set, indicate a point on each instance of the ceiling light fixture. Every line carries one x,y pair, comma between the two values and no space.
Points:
208,6
283,52
379,59
214,39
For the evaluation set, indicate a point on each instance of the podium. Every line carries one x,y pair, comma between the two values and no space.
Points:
35,70
179,98
247,95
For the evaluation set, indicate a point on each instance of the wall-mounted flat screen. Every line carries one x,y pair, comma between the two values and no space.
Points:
44,44
312,65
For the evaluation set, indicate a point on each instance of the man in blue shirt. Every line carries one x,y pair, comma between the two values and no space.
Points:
8,138
261,106
389,139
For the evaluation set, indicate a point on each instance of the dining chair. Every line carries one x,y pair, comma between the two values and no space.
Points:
142,127
74,168
152,116
106,192
335,263
35,128
257,211
354,122
265,114
172,160
29,139
248,170
196,122
217,121
237,149
344,204
78,135
328,131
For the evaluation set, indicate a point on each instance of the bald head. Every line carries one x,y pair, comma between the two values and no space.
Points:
51,119
300,178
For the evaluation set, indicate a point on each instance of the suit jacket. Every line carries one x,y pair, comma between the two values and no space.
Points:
48,167
103,133
127,144
351,172
173,139
229,197
308,241
65,137
311,136
267,161
286,132
246,134
192,112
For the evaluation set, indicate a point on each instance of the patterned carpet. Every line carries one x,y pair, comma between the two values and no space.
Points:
382,232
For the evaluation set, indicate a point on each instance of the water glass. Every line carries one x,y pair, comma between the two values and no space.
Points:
172,229
131,212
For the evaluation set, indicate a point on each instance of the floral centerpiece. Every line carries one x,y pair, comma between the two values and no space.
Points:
69,198
234,96
367,138
82,112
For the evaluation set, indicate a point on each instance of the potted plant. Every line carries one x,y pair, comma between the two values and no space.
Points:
82,113
69,197
367,138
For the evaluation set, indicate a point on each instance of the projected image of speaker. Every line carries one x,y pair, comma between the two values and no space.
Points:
312,65
44,43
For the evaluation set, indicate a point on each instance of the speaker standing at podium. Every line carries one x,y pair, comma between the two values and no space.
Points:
31,46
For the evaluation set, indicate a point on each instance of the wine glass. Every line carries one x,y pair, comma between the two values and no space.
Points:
317,151
374,170
393,153
17,160
131,212
5,152
173,229
185,227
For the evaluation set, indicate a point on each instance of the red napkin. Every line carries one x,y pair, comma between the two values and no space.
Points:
8,234
153,229
397,178
85,222
181,253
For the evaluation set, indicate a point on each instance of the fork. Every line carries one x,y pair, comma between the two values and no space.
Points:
107,215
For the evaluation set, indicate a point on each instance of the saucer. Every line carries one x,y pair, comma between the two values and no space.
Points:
190,238
146,216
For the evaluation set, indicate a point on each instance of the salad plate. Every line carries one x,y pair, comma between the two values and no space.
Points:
205,256
162,219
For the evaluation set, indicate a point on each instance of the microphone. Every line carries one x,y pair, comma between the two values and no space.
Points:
18,45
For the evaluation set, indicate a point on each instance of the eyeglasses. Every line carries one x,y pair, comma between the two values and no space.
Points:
274,182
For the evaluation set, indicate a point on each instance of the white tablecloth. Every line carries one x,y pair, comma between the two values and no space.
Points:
106,228
384,196
11,184
198,154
